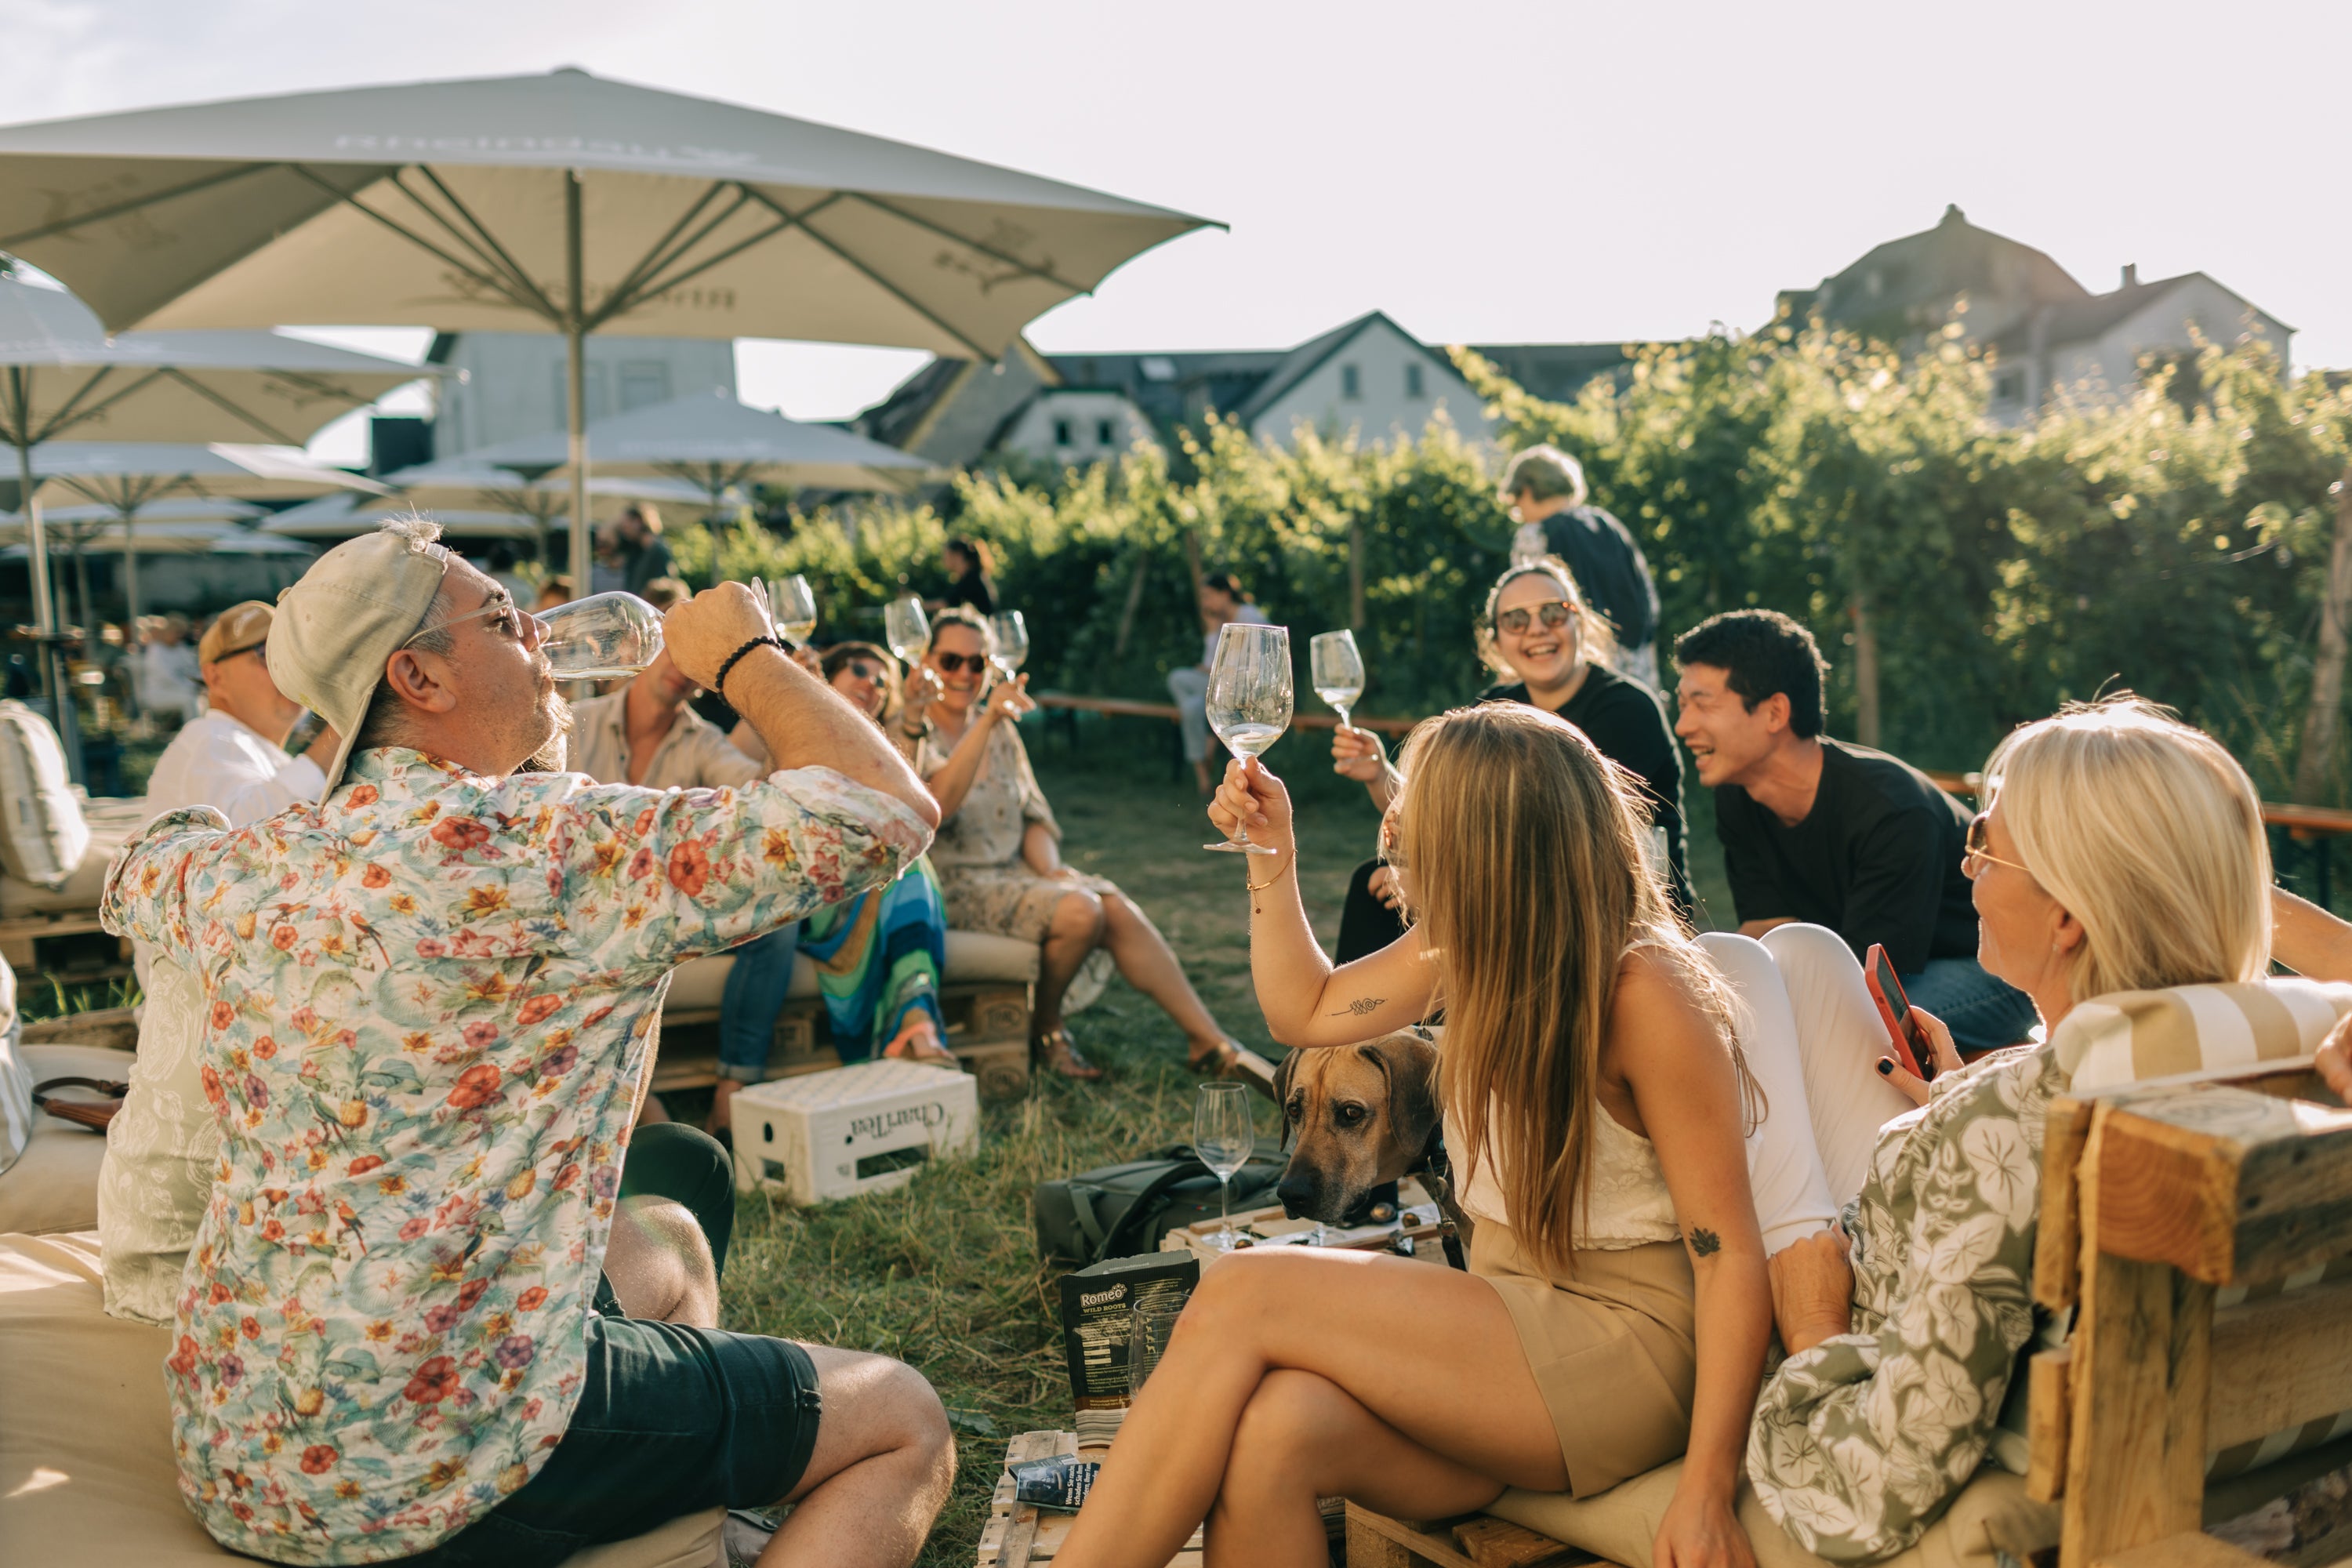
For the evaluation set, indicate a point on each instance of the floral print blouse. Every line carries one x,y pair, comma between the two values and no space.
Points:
1861,1442
1004,800
427,1004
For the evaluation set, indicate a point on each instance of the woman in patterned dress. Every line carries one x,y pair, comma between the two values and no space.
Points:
998,857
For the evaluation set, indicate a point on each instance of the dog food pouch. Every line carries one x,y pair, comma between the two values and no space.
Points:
1097,1304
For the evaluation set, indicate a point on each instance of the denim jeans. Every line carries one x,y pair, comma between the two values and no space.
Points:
1983,1013
757,989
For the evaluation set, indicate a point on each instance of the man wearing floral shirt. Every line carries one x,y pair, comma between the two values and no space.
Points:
429,1000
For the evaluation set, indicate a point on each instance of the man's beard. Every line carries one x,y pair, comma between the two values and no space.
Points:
549,755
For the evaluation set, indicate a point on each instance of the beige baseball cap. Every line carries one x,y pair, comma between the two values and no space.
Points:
335,630
238,629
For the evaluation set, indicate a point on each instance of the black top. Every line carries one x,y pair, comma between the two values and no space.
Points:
972,589
645,563
1609,566
1877,859
1625,723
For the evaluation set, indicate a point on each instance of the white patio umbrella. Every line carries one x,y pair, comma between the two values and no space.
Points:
130,477
348,516
180,537
465,483
61,374
715,444
564,202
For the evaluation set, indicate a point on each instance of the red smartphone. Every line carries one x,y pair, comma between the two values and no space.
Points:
1911,1046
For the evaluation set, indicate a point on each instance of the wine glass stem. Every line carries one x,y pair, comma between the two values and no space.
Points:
1225,1211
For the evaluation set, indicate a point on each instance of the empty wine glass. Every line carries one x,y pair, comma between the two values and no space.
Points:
793,603
1338,669
906,628
1224,1134
600,637
1010,634
1249,703
1151,1323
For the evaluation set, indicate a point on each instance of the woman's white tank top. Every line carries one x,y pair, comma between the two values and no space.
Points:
1624,1204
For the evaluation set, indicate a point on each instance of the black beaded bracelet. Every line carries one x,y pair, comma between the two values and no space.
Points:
720,685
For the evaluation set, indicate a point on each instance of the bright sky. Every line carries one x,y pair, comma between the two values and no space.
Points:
1484,172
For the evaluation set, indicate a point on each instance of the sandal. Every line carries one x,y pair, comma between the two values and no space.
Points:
921,1046
1057,1053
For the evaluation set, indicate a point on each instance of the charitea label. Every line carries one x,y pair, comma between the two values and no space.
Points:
930,1114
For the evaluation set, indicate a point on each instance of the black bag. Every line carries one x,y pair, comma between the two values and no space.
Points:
1121,1210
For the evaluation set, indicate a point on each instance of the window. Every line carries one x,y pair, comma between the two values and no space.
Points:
2009,386
1106,433
644,383
1351,383
1061,432
1413,380
1158,367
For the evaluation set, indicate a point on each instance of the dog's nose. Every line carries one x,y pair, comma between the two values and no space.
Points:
1298,1194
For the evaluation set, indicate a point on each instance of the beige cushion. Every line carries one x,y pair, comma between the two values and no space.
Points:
160,1152
1990,1518
42,832
110,823
85,1471
55,1185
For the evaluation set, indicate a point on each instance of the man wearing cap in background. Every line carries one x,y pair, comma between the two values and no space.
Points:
230,758
429,1003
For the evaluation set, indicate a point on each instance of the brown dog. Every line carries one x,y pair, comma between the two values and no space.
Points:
1356,1119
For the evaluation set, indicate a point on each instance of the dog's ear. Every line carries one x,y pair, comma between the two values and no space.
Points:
1414,1111
1281,1076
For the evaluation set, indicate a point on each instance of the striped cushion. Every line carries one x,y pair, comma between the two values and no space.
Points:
2133,1035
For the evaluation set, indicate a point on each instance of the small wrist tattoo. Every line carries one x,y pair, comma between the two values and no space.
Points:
1703,1242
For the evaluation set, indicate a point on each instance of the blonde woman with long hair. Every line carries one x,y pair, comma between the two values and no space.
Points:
1616,1312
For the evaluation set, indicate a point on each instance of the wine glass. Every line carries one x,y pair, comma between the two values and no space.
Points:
906,628
1151,1323
1338,669
793,603
1249,703
1010,634
600,637
1224,1134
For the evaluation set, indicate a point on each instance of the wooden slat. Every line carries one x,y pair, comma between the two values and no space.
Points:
2227,1184
2140,1373
1498,1544
2313,821
2049,1410
2281,1362
2188,1548
2058,1240
1402,1543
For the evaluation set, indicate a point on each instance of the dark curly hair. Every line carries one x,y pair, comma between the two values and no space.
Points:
1765,652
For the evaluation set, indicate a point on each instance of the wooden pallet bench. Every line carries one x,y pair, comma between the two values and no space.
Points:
2155,1196
988,1030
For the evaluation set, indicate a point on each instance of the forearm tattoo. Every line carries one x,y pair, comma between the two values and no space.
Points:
1703,1242
1362,1006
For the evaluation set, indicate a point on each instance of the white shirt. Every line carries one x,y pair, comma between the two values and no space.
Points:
220,762
167,676
1244,614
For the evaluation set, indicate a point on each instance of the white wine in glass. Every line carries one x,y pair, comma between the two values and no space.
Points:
1224,1135
599,638
1249,703
1009,634
1336,669
907,629
794,606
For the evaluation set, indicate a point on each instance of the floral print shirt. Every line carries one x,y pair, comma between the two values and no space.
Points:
427,1007
1860,1443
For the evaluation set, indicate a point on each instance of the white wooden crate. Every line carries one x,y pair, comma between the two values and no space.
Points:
862,1129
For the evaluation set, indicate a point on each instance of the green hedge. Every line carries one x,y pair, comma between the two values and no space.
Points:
2174,541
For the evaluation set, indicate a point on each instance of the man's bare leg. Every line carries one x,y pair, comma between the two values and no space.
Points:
659,1263
881,1472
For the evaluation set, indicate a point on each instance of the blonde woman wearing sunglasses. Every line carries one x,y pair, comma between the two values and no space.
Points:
998,854
1549,649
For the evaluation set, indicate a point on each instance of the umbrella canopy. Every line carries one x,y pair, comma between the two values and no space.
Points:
107,536
462,480
348,516
562,200
712,442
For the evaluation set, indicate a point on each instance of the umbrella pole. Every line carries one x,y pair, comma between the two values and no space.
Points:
45,609
130,603
576,348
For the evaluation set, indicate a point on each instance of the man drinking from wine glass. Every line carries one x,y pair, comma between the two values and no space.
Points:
423,1320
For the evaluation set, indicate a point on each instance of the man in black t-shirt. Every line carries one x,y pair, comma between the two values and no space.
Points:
1836,834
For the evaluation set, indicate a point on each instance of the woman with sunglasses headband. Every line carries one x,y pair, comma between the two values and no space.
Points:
999,853
1550,650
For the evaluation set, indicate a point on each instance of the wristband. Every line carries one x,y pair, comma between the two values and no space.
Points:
718,684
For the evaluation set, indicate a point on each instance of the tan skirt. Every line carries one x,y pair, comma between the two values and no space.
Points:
1613,1345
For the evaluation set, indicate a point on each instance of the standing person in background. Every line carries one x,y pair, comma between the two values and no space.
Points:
643,556
1821,832
1224,603
555,591
168,670
1543,489
972,575
1550,651
230,759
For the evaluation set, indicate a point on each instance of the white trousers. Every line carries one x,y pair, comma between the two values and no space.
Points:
1812,1038
1190,686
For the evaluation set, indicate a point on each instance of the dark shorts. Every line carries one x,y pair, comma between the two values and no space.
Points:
672,1420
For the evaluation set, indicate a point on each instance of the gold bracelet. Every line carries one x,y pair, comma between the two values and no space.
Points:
1270,881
